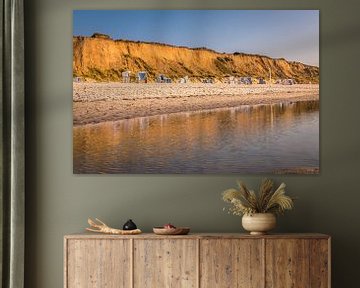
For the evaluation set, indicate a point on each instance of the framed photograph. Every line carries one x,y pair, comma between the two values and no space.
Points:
196,91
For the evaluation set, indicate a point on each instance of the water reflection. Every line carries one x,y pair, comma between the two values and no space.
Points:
246,139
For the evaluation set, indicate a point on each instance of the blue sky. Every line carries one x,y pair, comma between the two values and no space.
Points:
291,34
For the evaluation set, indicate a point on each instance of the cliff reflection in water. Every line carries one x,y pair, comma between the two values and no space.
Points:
247,139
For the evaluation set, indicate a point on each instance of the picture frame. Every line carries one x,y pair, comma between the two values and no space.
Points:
219,97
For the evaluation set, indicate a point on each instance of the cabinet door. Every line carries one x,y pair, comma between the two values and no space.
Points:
320,263
167,263
98,263
231,263
287,263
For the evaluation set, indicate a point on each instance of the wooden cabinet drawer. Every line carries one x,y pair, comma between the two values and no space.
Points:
165,263
98,263
231,263
297,263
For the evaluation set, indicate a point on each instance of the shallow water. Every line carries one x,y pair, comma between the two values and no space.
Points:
246,139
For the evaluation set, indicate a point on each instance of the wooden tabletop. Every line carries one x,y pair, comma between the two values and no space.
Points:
88,235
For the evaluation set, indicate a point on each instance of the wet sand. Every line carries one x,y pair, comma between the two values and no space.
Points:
100,102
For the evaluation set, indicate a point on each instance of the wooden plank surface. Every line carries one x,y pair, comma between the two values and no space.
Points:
66,262
231,263
287,263
98,263
89,235
170,263
197,260
319,263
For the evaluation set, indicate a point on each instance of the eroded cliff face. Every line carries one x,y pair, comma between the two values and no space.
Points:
104,59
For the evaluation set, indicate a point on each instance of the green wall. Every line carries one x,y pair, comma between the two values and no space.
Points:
59,202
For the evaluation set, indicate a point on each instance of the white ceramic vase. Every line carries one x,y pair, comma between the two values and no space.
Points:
259,223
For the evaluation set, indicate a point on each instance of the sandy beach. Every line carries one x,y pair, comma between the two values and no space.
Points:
100,102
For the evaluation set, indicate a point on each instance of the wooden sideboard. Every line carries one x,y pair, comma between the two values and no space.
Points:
197,260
